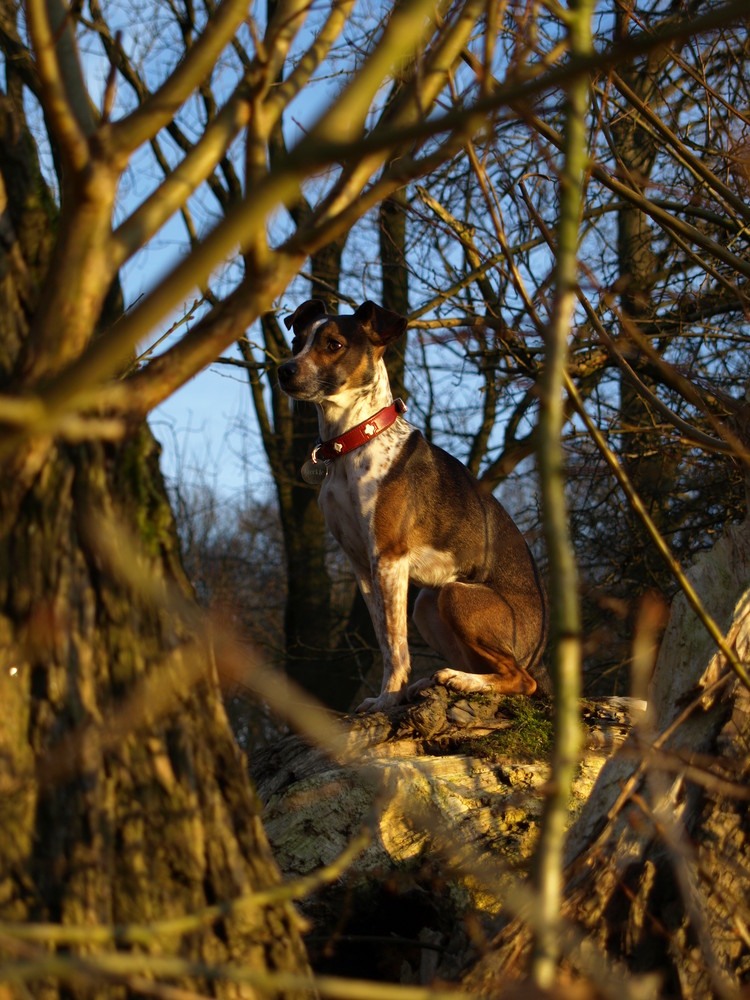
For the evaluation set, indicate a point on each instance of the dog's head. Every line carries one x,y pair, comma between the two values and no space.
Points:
335,354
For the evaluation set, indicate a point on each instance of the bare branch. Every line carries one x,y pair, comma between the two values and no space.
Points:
564,601
63,92
158,109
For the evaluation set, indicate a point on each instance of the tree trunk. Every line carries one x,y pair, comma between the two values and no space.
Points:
650,468
308,616
333,677
357,653
125,797
395,280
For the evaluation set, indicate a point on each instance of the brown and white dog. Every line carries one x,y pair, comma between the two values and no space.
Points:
405,511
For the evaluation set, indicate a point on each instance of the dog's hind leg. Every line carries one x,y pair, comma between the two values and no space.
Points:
480,635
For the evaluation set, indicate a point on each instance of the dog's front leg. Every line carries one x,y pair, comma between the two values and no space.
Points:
385,593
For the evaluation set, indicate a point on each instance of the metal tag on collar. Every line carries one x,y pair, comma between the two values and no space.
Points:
313,471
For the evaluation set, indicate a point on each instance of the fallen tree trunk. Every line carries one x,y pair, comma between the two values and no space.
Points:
452,789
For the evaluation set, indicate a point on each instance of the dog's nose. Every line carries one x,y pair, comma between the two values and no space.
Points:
287,371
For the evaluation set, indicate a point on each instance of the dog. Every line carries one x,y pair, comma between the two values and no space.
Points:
406,511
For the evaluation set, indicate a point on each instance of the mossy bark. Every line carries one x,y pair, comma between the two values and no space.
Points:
160,820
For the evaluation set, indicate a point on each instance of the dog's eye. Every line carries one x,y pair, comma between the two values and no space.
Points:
334,345
297,345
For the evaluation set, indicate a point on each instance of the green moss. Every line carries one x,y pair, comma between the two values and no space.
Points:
529,737
140,481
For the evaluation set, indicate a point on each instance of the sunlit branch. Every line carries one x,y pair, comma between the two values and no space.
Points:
62,89
230,234
695,164
709,91
565,616
692,433
403,35
323,226
701,398
79,387
521,93
202,344
267,432
727,221
671,378
147,354
139,970
395,47
670,223
148,933
197,349
465,236
284,92
158,109
184,179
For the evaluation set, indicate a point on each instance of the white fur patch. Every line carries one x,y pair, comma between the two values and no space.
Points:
431,567
312,327
310,336
459,680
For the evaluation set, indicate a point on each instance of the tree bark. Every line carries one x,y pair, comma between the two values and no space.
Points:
123,796
288,439
308,617
395,280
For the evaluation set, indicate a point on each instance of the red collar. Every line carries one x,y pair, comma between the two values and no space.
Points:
359,435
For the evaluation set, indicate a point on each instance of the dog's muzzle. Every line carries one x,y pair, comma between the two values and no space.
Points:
287,374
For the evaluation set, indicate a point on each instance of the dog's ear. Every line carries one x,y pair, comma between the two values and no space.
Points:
304,314
382,325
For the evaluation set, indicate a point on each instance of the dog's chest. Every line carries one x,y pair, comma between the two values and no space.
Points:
349,495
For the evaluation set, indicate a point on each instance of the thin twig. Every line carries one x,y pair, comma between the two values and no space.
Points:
657,538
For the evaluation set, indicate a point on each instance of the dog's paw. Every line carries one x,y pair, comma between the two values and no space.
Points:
517,682
459,680
382,703
417,687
